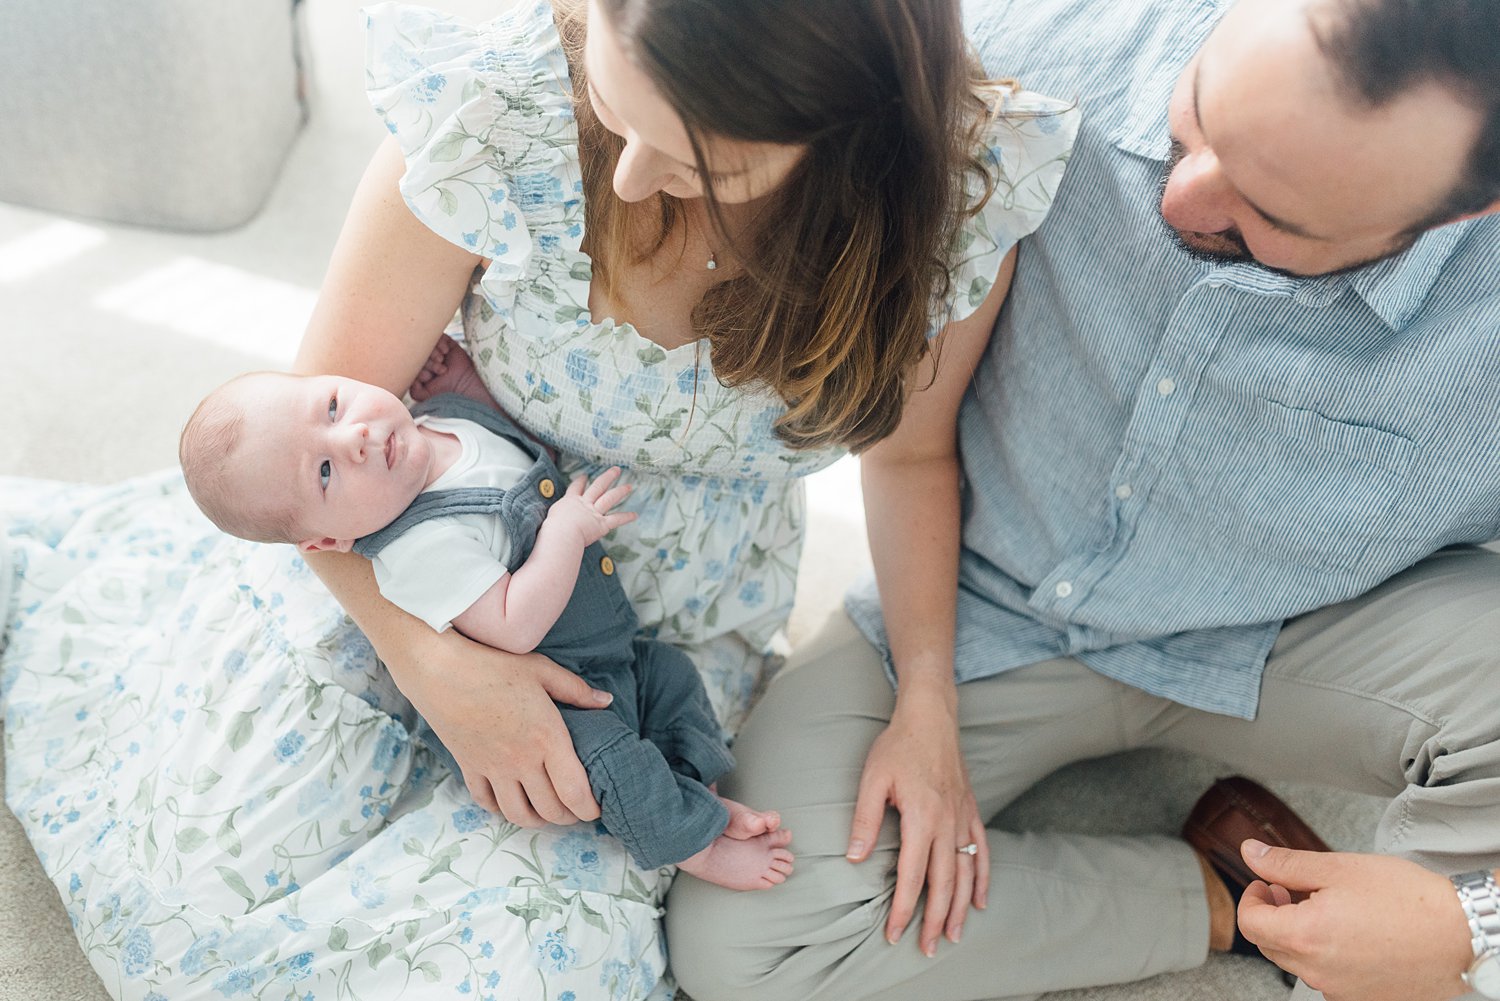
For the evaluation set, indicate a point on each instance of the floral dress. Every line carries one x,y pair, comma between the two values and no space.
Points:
214,768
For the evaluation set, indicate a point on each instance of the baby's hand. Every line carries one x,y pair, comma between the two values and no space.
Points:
449,369
586,507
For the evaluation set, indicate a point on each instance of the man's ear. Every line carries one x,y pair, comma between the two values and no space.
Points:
325,545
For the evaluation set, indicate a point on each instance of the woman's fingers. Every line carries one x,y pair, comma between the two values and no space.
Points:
515,807
981,861
571,784
869,811
482,791
544,799
942,870
963,894
911,873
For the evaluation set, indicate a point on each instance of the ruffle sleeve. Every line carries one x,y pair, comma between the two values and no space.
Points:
1028,144
484,117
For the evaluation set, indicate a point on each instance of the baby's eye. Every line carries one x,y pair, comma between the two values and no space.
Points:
333,408
324,472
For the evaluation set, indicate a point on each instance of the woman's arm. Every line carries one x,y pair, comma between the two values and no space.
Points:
392,285
911,490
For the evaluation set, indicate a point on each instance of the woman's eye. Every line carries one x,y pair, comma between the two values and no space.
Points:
325,471
333,408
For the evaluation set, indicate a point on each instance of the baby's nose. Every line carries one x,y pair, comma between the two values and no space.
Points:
359,437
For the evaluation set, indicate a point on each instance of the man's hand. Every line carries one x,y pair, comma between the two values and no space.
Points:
585,507
1356,927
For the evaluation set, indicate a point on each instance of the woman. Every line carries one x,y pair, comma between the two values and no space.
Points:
708,242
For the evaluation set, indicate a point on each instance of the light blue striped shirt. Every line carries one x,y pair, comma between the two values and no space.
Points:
1165,458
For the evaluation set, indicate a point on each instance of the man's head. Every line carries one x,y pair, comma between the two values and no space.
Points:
314,460
1317,135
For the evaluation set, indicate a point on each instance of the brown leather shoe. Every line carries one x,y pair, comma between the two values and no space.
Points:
1232,811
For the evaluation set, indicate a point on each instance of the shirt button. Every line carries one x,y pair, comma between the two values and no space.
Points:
1166,387
1123,491
607,565
546,488
1064,588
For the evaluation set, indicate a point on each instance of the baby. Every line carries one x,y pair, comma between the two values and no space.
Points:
461,514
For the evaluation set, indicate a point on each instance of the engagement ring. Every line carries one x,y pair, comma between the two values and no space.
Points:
969,849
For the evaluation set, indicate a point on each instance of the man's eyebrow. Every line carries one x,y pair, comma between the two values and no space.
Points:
1282,224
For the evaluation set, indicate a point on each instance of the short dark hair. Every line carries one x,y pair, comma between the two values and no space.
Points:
1382,48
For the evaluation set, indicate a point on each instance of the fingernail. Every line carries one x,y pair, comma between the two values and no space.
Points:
891,938
1255,849
957,936
930,950
603,698
856,850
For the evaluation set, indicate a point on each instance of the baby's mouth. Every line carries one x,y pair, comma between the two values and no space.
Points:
390,451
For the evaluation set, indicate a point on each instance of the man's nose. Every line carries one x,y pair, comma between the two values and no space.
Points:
1197,197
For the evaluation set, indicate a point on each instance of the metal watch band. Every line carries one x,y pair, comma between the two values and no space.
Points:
1480,897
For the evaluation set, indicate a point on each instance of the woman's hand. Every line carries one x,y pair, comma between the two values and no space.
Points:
494,711
917,767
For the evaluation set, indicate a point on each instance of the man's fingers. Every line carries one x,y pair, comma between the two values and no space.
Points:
1268,924
869,811
1293,869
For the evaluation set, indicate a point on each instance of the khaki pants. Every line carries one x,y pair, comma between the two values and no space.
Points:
1396,693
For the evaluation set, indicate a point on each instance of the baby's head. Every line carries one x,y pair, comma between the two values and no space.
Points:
313,460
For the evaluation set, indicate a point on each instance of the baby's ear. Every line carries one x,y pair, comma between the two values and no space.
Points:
325,545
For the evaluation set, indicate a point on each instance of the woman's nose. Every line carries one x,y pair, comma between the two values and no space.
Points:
640,172
1197,199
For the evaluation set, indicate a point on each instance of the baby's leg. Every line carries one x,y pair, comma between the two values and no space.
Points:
757,863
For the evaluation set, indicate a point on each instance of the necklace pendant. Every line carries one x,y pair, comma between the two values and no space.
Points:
712,264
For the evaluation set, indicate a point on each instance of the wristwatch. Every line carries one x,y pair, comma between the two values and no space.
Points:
1480,899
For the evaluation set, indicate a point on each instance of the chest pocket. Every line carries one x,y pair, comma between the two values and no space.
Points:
1300,487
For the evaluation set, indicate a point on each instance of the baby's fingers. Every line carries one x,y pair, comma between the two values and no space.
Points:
612,497
614,521
601,483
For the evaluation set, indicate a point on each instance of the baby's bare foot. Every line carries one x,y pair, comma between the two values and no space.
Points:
757,863
745,823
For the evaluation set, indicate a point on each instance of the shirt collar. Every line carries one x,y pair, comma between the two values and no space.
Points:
1394,289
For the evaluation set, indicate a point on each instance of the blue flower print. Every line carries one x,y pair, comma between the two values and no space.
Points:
582,368
74,883
138,952
234,663
364,889
393,739
427,89
567,996
290,747
240,980
687,380
547,243
752,593
554,954
605,431
579,861
469,819
537,189
299,967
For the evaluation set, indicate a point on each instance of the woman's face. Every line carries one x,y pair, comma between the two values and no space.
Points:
657,154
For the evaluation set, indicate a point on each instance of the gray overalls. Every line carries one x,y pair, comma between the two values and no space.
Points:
652,754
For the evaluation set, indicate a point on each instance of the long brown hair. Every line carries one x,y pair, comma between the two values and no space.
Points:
851,255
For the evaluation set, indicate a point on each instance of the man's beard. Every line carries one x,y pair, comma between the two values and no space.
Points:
1229,247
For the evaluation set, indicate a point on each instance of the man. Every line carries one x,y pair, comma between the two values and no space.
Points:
1243,398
